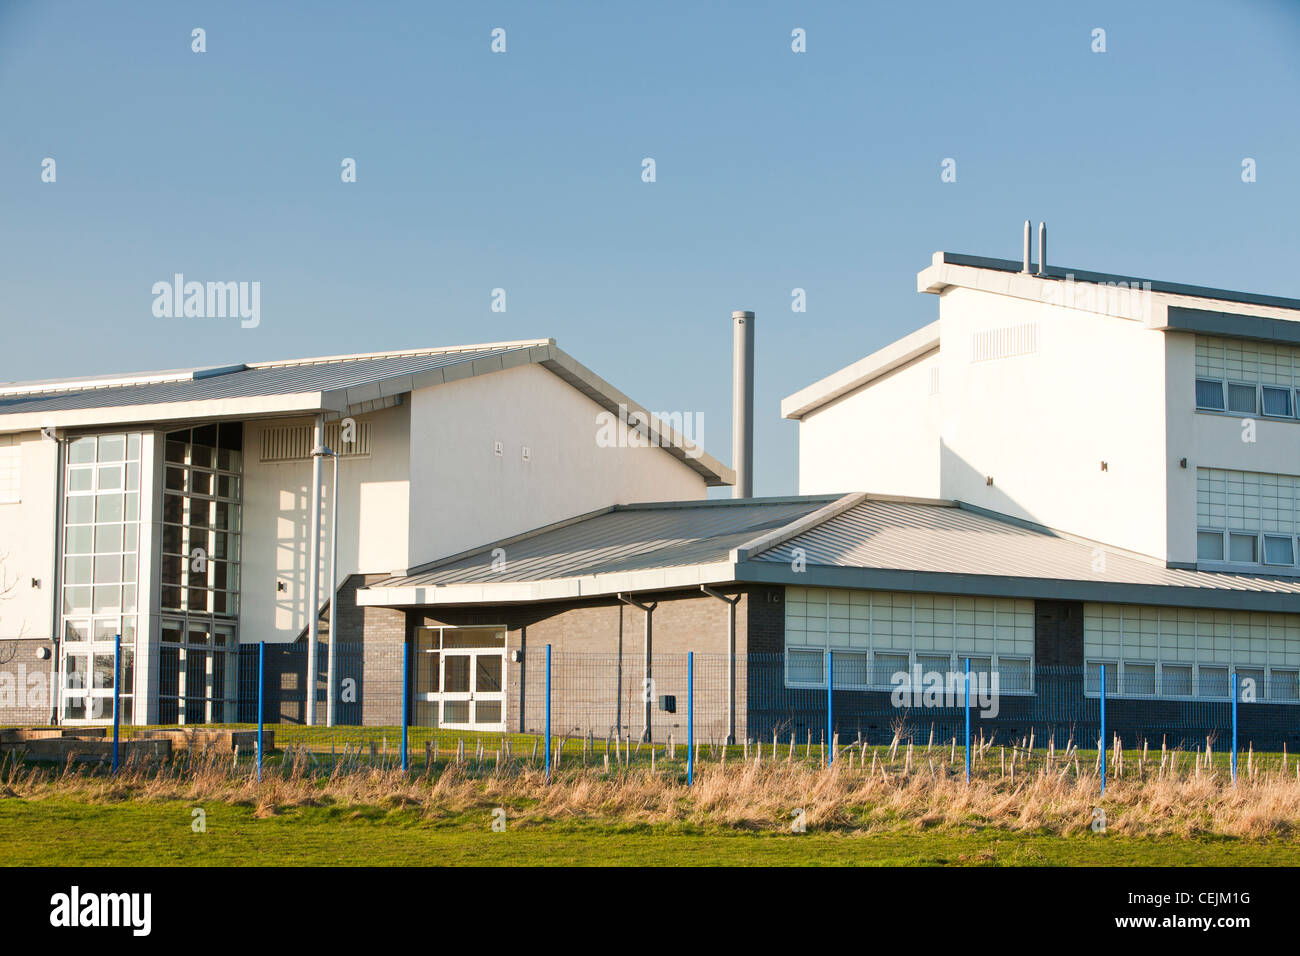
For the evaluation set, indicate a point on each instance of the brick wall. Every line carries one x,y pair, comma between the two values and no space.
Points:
598,671
25,690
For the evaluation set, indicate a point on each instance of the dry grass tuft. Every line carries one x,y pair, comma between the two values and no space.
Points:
742,796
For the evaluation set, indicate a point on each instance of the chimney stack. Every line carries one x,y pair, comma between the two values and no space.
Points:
1042,248
742,404
1029,236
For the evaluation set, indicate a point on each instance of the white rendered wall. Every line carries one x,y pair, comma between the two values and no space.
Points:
464,495
374,496
27,543
882,438
1041,425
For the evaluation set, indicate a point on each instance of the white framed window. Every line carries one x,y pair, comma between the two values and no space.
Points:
1243,548
1138,678
1276,401
1242,399
805,667
851,669
1283,684
1175,680
1092,677
1279,549
1209,394
1209,545
1213,682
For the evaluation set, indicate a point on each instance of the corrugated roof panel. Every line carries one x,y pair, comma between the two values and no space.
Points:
952,540
629,538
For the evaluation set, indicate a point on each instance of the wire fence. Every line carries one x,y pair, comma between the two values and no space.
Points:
491,708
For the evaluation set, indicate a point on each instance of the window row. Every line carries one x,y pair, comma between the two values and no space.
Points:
1248,362
1238,547
1207,681
1190,635
883,670
882,620
1271,401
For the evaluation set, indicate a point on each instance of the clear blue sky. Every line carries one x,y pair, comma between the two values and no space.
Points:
775,170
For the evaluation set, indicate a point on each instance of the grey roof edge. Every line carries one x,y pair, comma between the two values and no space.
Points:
687,577
1007,586
1084,275
777,536
1210,322
437,563
879,363
566,367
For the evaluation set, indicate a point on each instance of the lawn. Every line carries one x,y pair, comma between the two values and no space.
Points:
64,831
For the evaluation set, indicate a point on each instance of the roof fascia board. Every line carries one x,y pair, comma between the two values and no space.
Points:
1231,325
260,406
979,585
1012,266
551,589
861,372
1053,290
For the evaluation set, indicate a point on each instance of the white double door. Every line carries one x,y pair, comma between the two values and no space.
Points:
472,689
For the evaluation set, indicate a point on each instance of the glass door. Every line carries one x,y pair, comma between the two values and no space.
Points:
473,695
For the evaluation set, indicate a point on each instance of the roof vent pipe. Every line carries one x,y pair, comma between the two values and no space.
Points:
742,404
1042,248
1029,236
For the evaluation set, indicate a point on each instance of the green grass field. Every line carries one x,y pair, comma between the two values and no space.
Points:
68,832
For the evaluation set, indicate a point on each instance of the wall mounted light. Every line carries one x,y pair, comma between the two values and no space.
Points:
36,583
279,586
1105,466
988,480
1182,463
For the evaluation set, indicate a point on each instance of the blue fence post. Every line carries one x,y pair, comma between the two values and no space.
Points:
117,695
548,711
690,718
406,698
1235,694
830,705
261,693
968,720
1102,742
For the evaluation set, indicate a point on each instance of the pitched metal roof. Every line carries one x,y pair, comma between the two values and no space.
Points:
621,538
858,540
239,381
334,385
946,538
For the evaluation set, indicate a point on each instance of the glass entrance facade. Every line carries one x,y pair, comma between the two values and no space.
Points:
107,548
201,533
101,561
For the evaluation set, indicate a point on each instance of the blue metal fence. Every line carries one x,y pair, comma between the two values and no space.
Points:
616,711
